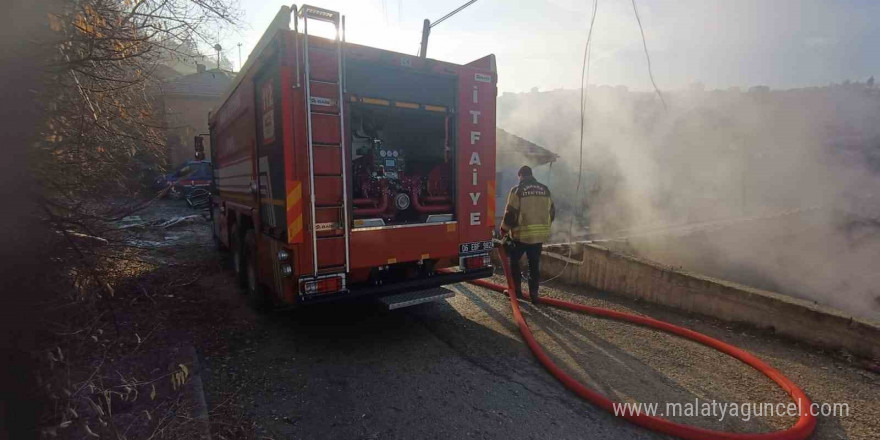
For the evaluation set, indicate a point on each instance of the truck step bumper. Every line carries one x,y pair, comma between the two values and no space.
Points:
439,279
402,300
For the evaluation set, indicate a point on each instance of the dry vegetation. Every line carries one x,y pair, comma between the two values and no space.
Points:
109,361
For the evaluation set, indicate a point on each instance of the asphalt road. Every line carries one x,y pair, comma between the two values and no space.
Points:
457,369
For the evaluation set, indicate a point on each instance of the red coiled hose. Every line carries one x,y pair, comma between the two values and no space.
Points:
801,429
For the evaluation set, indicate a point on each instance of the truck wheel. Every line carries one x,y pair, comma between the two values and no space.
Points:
237,256
256,297
215,229
218,244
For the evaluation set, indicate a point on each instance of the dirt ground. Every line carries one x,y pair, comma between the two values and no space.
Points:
458,369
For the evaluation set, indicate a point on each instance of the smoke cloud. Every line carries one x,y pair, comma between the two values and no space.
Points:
775,189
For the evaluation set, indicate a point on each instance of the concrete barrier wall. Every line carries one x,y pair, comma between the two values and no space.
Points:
599,268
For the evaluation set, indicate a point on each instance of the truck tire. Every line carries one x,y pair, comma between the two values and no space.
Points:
215,229
256,296
218,244
238,257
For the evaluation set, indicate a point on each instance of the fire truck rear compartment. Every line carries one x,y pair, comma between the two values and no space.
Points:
402,164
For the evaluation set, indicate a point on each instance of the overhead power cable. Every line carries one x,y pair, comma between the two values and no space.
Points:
585,79
647,56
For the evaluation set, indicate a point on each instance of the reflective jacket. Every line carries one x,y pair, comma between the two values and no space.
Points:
529,212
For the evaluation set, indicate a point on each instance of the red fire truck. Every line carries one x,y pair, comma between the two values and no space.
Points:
342,170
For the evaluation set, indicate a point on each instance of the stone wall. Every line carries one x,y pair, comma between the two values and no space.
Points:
597,267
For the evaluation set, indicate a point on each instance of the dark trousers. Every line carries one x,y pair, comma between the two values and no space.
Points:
533,253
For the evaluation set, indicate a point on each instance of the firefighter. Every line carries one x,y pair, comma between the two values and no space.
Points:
526,225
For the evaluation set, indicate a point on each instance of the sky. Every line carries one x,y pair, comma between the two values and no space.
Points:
540,43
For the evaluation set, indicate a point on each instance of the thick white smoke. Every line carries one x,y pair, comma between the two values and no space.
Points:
776,189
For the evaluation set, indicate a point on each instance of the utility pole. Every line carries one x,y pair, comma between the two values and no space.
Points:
239,57
218,48
426,32
427,25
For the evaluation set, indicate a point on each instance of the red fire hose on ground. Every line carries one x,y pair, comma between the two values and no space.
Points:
801,429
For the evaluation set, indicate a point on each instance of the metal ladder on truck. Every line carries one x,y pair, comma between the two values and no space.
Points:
324,76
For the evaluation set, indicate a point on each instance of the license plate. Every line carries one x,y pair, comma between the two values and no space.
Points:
477,247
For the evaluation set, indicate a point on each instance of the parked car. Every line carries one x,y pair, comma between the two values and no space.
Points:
189,176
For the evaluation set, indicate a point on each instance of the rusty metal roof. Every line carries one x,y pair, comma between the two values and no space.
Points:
535,154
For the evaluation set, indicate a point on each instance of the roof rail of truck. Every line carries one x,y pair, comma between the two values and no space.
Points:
316,13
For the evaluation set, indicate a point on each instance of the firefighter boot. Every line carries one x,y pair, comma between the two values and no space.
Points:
533,291
533,297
